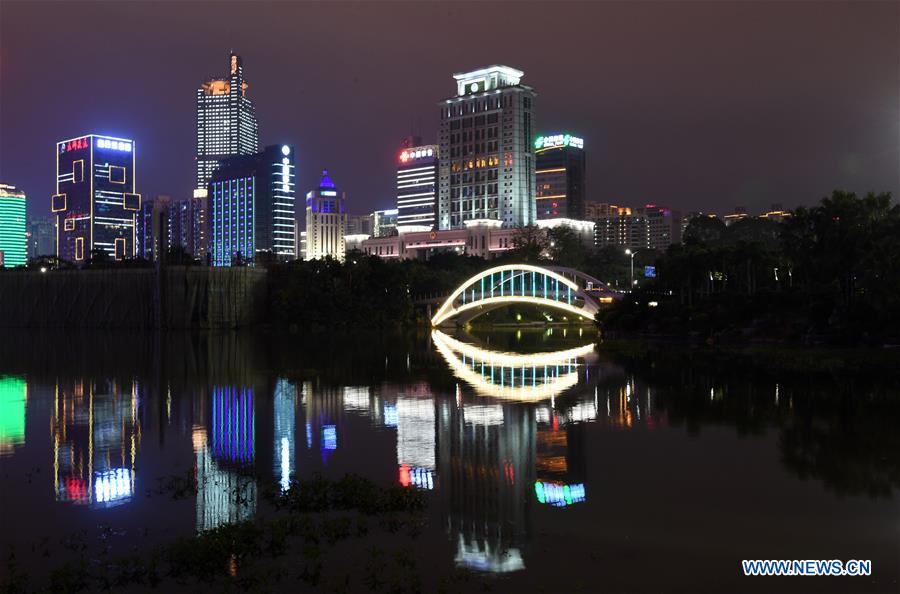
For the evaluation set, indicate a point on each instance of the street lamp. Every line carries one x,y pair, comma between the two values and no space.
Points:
628,252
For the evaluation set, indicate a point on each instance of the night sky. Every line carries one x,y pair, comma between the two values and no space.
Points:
698,106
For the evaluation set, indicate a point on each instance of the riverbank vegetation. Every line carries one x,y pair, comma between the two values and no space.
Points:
829,274
343,535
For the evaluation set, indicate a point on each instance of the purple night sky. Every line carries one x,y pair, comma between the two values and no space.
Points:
694,105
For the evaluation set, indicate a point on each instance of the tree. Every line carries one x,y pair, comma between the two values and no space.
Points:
529,244
704,229
566,247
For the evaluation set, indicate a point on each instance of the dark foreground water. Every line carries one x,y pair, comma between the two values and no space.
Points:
546,465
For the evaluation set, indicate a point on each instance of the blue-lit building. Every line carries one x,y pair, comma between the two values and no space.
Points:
326,221
95,202
251,207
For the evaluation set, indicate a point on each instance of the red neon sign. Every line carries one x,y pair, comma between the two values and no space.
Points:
74,145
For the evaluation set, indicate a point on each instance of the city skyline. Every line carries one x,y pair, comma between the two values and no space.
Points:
778,113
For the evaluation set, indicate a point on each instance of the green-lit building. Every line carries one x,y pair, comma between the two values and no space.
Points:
13,241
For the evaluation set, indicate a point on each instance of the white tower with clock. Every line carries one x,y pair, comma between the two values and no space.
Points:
487,159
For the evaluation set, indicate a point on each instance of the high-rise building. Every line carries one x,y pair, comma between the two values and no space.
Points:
95,202
739,214
384,222
417,184
326,221
646,227
360,224
559,177
41,237
151,228
13,241
487,163
251,207
226,121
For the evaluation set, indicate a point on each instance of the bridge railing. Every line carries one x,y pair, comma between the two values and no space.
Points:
518,284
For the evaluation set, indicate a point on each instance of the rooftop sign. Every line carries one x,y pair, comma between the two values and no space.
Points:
558,140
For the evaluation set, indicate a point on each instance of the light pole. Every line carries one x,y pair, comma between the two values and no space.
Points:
628,252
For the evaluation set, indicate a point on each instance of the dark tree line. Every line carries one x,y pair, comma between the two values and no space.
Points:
828,273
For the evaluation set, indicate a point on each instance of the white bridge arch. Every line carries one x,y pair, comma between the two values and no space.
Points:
562,289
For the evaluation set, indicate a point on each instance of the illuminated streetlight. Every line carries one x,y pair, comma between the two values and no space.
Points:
628,252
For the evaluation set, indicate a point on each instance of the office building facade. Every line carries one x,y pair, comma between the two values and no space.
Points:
13,240
226,121
384,222
251,207
326,221
487,163
41,238
417,184
95,204
647,227
559,177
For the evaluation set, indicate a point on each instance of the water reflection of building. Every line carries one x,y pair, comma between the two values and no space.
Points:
513,376
560,465
224,495
415,422
95,434
486,464
13,403
224,454
285,432
322,408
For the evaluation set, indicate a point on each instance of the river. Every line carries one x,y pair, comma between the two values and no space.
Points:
546,463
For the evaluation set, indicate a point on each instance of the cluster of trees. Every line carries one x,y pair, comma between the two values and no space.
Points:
828,273
362,291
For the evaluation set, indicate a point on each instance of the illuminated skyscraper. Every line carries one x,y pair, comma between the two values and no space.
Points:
226,121
417,184
487,163
41,237
95,201
559,177
326,221
12,227
251,207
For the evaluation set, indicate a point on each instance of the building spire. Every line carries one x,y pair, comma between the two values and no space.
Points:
326,181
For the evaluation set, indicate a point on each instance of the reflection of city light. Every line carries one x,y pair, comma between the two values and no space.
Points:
390,414
487,558
422,478
13,396
509,375
356,399
112,486
198,438
415,431
483,415
558,494
285,402
285,481
329,437
233,424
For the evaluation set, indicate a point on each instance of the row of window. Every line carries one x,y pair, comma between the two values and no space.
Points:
476,176
468,191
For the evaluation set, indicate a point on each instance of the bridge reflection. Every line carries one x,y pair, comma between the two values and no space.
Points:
512,376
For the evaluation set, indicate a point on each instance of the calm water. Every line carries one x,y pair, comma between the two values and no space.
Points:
547,465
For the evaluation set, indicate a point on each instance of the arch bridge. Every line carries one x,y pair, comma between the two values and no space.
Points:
561,289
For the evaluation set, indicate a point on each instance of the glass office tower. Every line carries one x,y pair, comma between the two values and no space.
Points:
95,202
226,121
251,204
13,240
